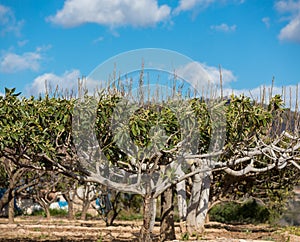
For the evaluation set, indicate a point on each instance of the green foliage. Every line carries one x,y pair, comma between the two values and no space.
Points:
53,212
245,121
185,236
129,215
58,212
293,230
31,129
249,212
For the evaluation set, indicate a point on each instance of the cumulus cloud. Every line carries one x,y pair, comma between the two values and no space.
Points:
137,13
187,5
66,82
287,6
291,31
8,22
200,75
223,28
12,62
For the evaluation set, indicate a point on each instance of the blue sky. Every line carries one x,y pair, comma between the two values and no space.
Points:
62,40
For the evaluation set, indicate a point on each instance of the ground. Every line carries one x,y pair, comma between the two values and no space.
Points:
39,229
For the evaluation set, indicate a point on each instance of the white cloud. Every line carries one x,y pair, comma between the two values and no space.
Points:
287,6
66,82
223,28
187,5
137,13
266,21
8,22
291,31
12,62
200,75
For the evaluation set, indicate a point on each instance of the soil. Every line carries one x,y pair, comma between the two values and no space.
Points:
31,229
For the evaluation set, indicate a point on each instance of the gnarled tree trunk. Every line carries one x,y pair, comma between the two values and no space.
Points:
11,211
198,206
193,204
167,230
85,207
203,206
145,233
182,204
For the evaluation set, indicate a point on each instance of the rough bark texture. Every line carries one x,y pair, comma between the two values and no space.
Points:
70,210
7,196
182,205
203,206
69,197
11,211
199,203
47,211
153,215
84,210
167,230
145,234
193,204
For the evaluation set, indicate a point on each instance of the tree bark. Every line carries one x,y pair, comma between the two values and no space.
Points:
145,233
7,196
167,230
69,197
70,210
47,211
85,207
153,215
199,203
182,205
193,205
203,206
11,211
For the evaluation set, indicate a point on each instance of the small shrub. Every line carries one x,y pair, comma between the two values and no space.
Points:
58,212
185,236
38,213
249,212
129,215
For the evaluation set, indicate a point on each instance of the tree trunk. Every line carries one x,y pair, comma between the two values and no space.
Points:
69,197
198,206
85,207
153,215
11,211
70,210
202,209
47,211
7,196
193,205
145,233
182,205
167,230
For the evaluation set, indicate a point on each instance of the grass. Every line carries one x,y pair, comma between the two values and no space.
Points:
53,212
129,216
293,230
